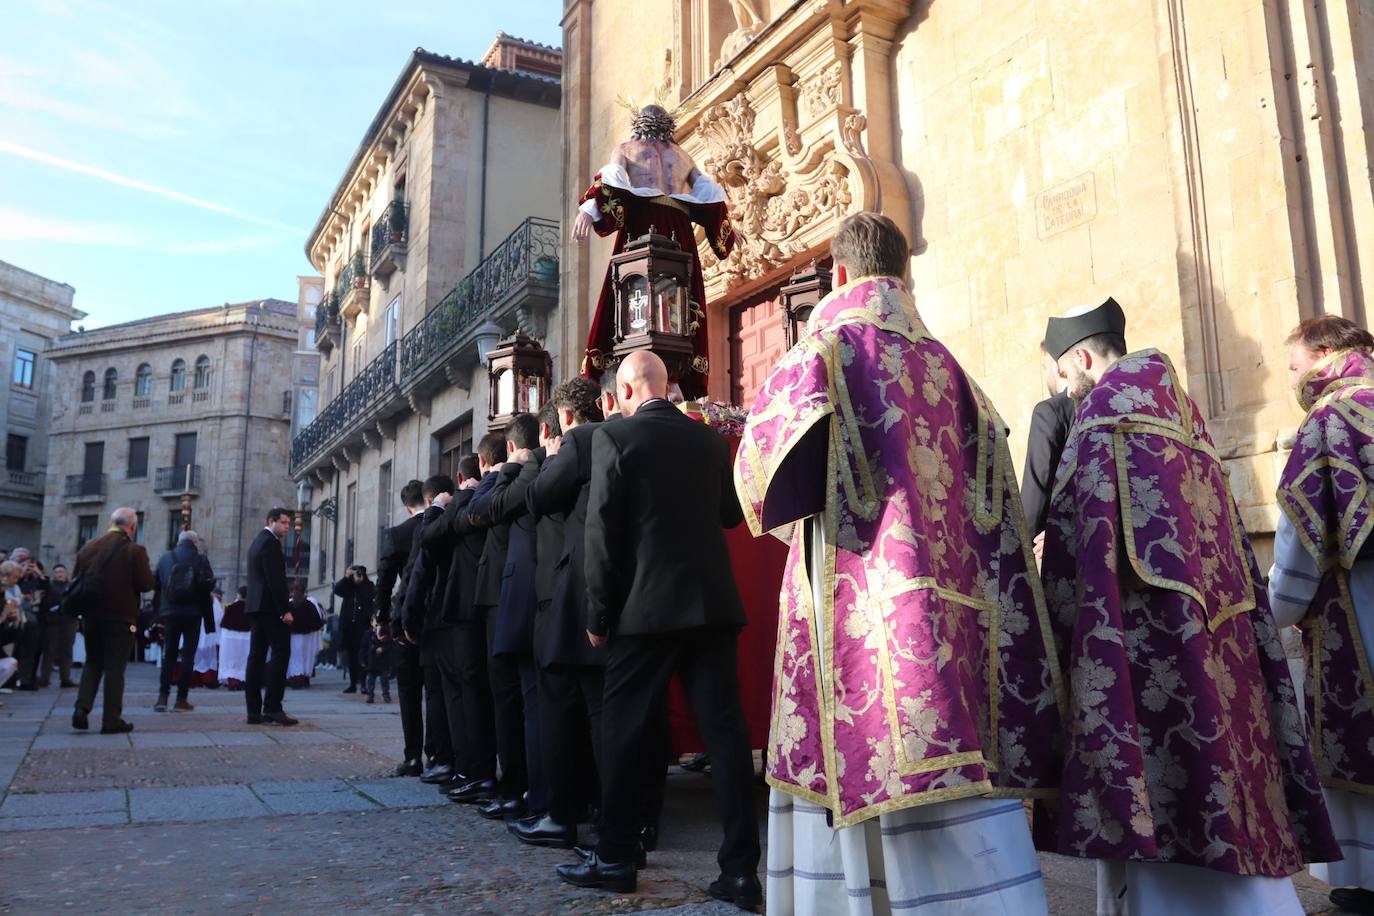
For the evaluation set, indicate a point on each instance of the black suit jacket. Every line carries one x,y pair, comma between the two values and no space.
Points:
427,575
391,562
267,576
453,535
561,491
359,598
661,493
1050,424
487,590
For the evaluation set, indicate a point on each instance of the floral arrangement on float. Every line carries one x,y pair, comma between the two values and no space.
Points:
726,419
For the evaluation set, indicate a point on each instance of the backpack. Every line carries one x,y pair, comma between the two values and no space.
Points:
86,591
182,582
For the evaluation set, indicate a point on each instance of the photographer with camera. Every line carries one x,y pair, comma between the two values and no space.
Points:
355,617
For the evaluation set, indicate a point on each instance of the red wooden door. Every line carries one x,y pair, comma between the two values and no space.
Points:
758,339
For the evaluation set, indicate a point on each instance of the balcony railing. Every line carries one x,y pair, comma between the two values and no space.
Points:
25,479
530,252
342,413
519,276
177,479
328,331
85,487
389,239
351,286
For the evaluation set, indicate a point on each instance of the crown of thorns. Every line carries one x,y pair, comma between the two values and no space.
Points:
652,122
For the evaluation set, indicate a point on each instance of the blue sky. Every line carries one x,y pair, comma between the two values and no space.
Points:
168,155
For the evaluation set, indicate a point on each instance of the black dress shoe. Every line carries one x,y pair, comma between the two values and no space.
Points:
80,721
503,809
407,768
648,838
352,688
119,728
1353,899
435,775
607,876
743,891
279,718
542,830
586,852
254,719
478,791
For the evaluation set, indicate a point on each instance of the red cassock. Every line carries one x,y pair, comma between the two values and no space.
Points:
628,216
758,566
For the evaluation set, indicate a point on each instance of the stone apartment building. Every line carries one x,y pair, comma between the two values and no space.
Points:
441,237
194,403
33,312
1206,162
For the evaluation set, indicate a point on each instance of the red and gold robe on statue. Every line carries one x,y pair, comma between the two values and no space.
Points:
616,206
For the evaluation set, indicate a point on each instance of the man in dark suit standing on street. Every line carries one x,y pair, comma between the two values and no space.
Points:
661,595
410,679
269,615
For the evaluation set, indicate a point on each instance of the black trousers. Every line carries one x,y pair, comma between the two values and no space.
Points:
508,707
570,718
637,673
264,674
59,634
109,643
353,643
181,631
440,743
462,663
537,799
410,686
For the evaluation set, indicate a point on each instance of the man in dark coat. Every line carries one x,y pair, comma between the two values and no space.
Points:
569,667
661,595
355,617
269,616
111,620
1049,430
181,601
410,677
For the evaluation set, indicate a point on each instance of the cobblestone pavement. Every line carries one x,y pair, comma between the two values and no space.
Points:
198,810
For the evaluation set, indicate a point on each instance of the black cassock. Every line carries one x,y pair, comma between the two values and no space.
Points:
1050,424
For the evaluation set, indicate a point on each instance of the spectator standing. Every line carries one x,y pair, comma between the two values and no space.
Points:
355,618
19,626
112,573
379,649
59,632
182,602
269,616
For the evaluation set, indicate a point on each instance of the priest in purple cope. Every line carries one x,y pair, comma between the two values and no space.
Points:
1187,774
1323,581
917,699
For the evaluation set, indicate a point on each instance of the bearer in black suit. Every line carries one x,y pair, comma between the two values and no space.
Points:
269,616
410,678
662,597
1049,430
569,667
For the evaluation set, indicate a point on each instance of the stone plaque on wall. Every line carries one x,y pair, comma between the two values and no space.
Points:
1065,206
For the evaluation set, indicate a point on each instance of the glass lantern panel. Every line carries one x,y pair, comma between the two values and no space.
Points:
531,386
505,392
634,304
670,305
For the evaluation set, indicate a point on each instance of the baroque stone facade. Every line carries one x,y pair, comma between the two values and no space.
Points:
193,402
441,237
33,312
1203,161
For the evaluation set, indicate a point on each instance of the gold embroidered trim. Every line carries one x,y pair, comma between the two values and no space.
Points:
1292,501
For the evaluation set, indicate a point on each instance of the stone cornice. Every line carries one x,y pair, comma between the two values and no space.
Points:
182,326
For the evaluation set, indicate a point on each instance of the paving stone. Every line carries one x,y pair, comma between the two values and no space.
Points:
400,793
299,786
170,739
61,803
239,739
194,803
49,822
292,736
84,740
318,802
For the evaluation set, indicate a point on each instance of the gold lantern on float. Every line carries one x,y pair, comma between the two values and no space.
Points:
652,284
519,372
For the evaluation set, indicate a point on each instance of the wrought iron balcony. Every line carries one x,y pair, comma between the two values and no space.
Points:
389,239
177,479
518,282
328,330
352,286
356,404
84,488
